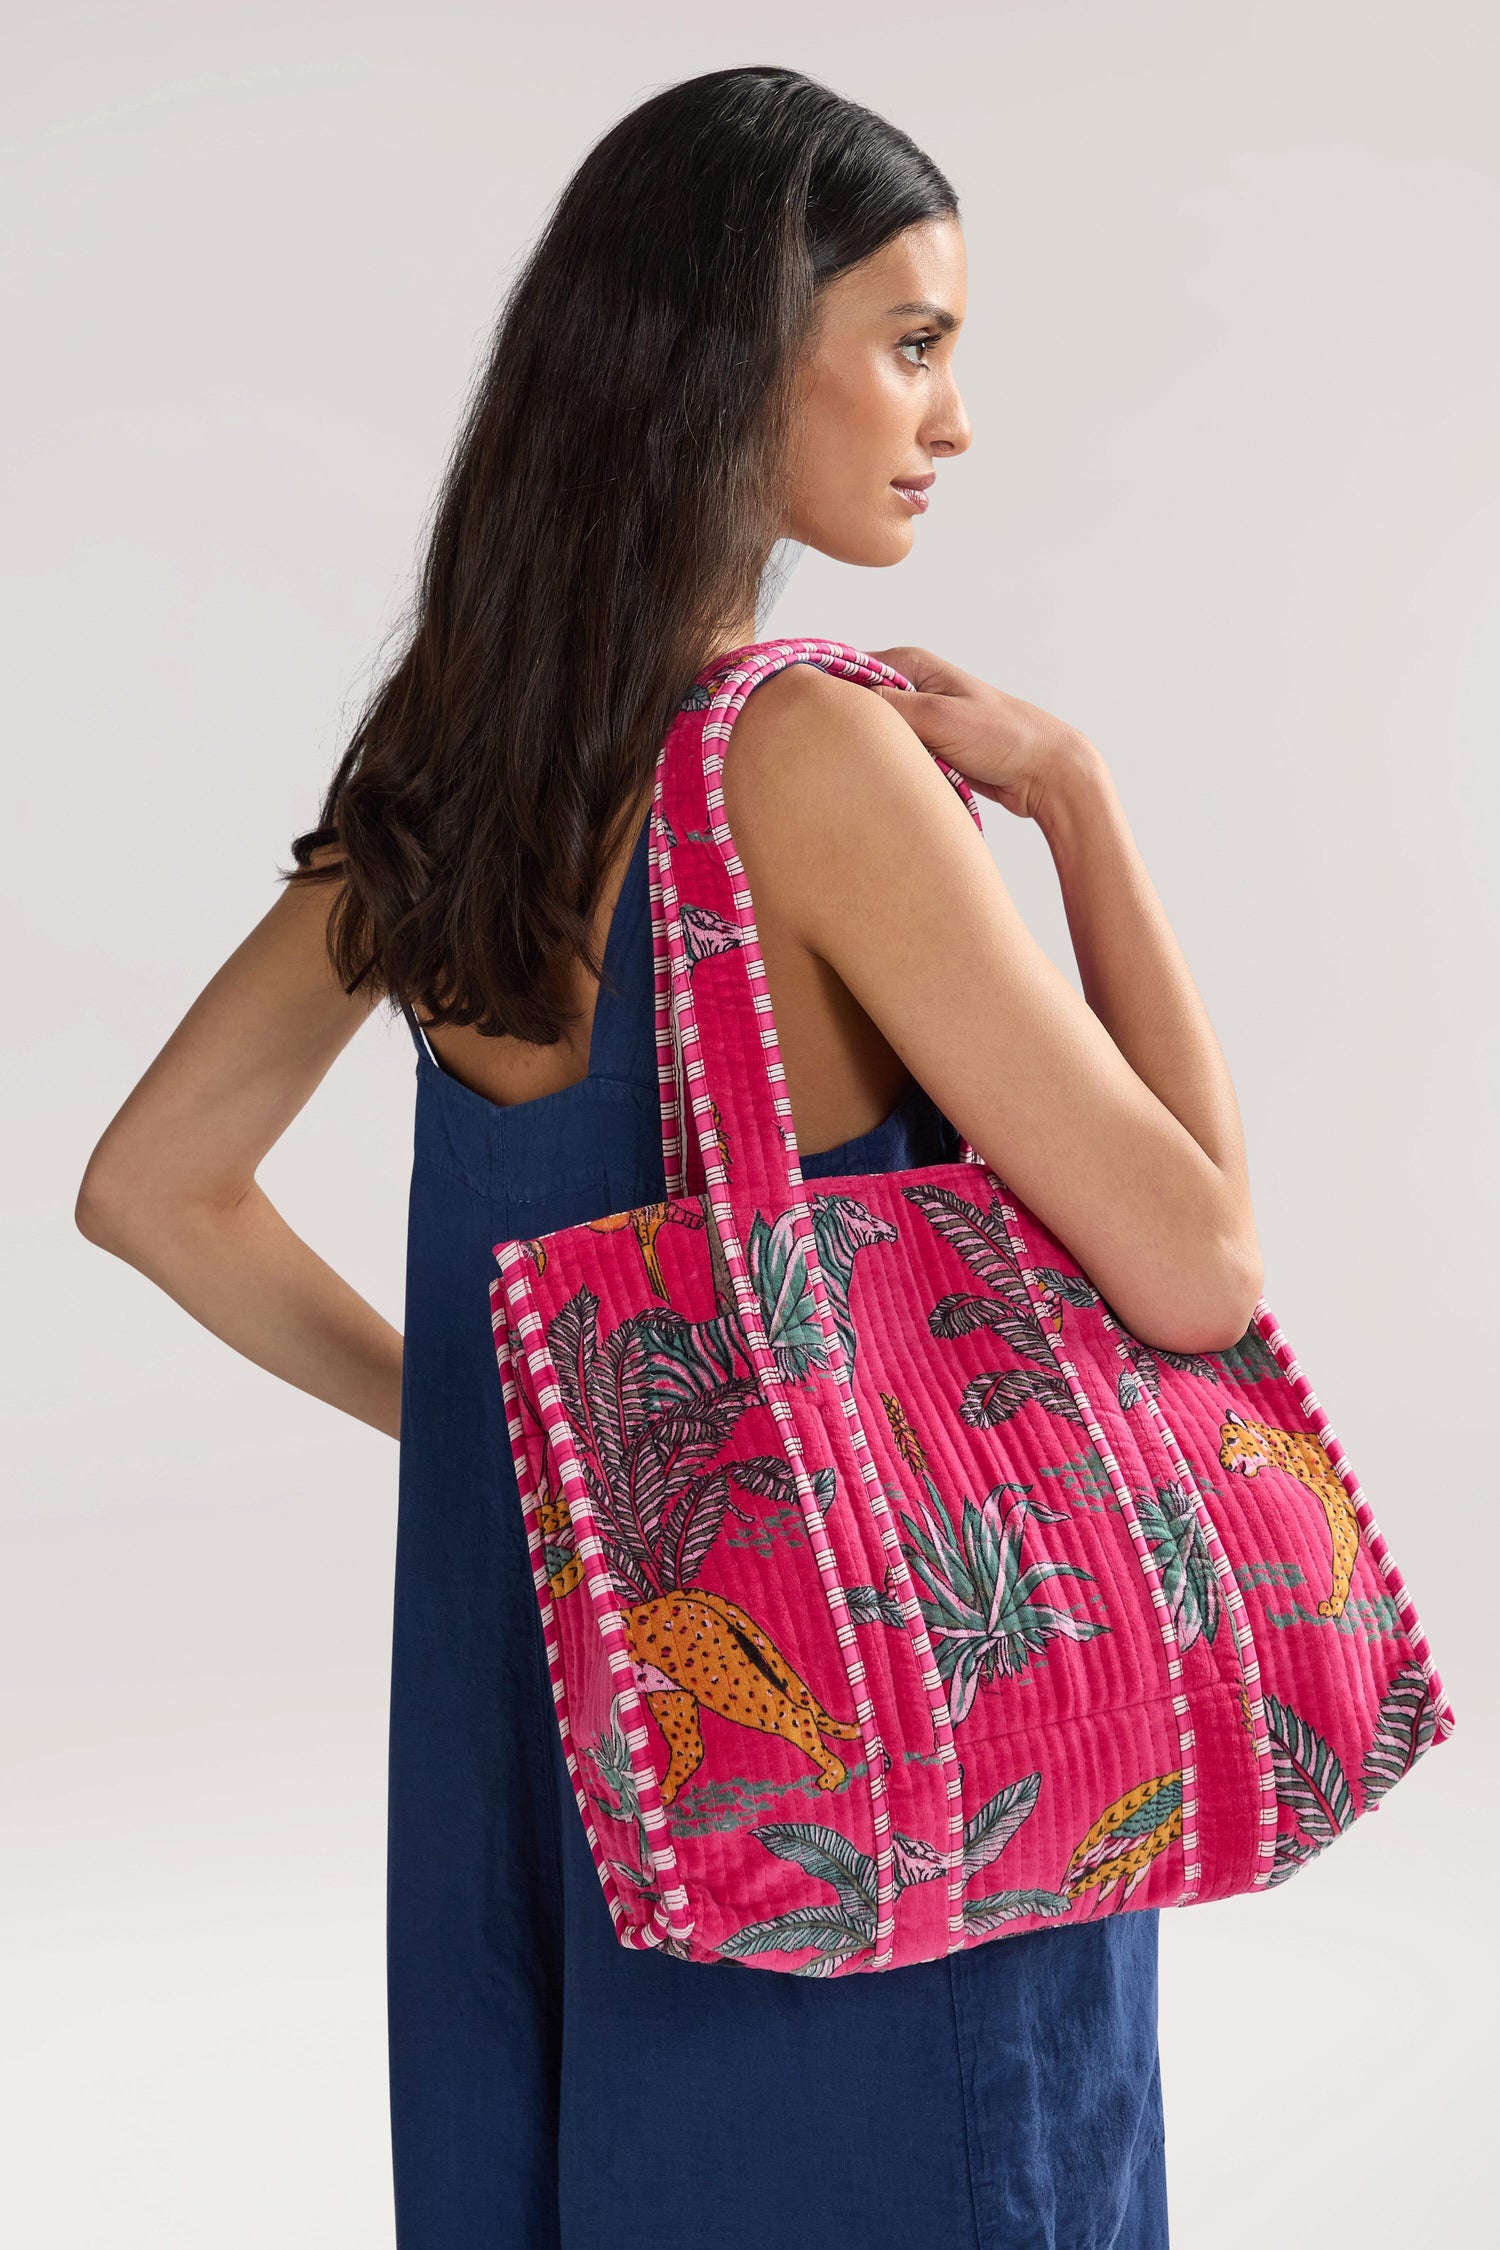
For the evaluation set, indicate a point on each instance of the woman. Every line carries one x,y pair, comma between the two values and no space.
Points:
738,328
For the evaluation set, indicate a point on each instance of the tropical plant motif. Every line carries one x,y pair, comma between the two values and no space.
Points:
1404,1726
1311,1783
981,1609
1143,1363
613,1792
1251,1360
1179,1550
842,1928
706,933
648,1429
616,1792
1002,1303
877,1605
1118,1850
777,1259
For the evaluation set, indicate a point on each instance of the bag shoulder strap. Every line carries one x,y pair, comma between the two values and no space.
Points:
718,1055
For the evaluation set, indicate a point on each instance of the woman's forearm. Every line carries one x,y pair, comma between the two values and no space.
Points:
241,1271
1133,973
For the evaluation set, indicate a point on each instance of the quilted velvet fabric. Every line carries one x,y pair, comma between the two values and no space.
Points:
896,1598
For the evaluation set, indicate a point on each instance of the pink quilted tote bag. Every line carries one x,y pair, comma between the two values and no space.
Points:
895,1596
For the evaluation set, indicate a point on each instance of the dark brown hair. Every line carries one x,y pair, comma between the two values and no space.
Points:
605,516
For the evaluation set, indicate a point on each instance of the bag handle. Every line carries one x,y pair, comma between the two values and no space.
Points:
723,1057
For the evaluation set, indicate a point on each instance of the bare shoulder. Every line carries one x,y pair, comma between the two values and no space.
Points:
836,806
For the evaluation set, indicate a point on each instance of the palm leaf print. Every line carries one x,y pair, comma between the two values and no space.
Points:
783,1286
980,1607
992,1827
657,1488
1141,1372
837,1934
978,1235
826,1855
1144,1362
981,1914
1180,1553
1403,1729
1251,1360
616,1792
1310,1784
770,1475
877,1605
842,1931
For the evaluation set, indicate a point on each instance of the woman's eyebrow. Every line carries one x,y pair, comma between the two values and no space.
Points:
922,309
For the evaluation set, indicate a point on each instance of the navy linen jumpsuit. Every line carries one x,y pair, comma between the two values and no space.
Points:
549,2089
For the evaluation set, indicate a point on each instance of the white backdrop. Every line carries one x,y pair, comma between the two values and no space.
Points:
1232,366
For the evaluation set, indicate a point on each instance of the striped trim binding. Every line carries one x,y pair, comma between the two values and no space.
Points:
520,1319
1269,1329
667,925
1191,1867
1239,1618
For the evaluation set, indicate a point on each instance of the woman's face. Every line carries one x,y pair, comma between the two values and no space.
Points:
878,404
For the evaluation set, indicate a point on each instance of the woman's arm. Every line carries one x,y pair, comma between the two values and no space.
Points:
171,1186
1112,1116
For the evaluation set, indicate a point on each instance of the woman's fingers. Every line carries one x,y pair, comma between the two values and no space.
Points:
920,666
930,717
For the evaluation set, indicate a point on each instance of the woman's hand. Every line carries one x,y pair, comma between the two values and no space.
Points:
1007,750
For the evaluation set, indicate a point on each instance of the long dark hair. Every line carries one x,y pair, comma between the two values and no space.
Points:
604,518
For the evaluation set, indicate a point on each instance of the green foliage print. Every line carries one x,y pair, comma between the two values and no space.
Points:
1002,1304
1180,1552
843,1927
1311,1785
613,1790
981,1609
648,1426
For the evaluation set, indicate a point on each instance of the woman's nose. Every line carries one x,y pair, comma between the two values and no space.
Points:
948,431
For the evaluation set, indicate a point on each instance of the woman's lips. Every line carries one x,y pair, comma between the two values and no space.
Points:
913,491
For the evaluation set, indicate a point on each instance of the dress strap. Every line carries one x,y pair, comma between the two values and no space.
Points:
420,1036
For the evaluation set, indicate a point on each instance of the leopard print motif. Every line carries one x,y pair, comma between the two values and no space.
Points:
1244,1448
694,1648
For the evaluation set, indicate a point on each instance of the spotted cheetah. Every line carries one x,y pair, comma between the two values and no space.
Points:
692,1647
1244,1447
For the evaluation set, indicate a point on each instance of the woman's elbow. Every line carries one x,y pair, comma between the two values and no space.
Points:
104,1204
1209,1313
122,1201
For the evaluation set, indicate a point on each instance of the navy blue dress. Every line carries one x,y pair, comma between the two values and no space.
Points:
549,2089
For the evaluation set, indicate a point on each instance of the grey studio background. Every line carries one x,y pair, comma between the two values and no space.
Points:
1231,503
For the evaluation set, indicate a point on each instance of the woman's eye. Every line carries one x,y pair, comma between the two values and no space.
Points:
921,344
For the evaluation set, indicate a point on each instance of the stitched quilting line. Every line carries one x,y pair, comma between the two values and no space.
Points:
519,1317
1181,1707
681,1055
1269,1329
1240,1625
664,896
696,750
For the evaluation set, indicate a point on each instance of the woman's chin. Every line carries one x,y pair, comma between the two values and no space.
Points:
872,546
